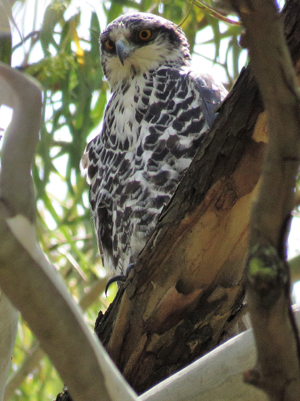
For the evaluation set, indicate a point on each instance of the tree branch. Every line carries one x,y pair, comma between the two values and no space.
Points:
27,278
35,354
216,376
8,327
267,275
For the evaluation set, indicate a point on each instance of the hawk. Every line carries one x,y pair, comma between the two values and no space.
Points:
155,120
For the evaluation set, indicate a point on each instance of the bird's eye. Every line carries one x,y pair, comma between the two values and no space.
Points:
109,44
145,34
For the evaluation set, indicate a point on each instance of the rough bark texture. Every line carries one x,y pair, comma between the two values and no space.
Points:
178,302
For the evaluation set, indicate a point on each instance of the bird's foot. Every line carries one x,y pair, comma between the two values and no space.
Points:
120,277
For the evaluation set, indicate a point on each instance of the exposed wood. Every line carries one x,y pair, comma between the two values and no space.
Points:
217,376
277,371
187,283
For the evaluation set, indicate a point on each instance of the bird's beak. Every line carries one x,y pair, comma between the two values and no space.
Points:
123,50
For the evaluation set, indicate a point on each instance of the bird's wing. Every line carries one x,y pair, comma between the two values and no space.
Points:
100,201
211,95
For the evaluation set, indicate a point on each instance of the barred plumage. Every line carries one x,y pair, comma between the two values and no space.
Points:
155,120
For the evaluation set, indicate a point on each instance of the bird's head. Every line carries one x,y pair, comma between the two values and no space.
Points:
136,43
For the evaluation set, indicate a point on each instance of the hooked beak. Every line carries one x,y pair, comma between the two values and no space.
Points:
123,50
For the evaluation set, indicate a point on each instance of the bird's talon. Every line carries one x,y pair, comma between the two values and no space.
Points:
121,277
129,268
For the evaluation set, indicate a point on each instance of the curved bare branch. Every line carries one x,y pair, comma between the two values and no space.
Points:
267,275
26,276
8,329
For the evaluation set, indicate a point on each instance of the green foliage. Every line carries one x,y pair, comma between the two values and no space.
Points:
75,95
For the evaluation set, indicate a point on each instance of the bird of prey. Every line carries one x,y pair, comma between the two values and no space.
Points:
156,119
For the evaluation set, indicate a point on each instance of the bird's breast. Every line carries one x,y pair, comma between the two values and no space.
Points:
127,109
